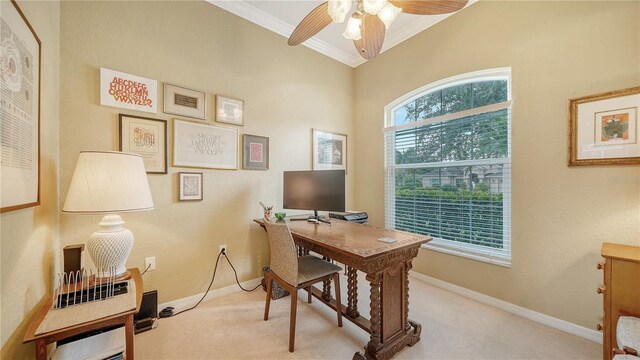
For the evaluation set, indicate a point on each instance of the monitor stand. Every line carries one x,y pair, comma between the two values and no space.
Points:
315,216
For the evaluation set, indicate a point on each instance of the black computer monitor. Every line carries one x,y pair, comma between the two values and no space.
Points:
314,190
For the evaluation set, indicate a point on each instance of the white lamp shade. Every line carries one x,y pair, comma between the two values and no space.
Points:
354,29
373,6
338,9
108,182
388,14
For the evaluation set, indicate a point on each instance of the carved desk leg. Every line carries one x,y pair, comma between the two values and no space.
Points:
352,292
326,286
412,328
375,280
302,251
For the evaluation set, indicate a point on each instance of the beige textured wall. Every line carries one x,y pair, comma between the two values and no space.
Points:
30,237
560,215
287,91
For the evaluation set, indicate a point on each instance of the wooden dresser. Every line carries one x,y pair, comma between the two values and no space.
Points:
621,289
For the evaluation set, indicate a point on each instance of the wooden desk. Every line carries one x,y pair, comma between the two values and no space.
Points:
126,318
387,267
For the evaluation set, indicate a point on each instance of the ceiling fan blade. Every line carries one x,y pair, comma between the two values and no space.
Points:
315,21
372,37
429,7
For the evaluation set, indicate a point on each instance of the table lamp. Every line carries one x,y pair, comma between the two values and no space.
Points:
109,182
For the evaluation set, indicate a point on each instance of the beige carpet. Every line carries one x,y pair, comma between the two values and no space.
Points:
453,327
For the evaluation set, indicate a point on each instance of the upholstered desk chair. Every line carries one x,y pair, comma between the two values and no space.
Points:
294,273
627,337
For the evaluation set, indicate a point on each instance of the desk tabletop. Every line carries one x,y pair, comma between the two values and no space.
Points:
358,240
621,252
30,335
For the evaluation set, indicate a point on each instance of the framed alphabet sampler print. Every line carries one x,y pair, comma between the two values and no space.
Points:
204,146
146,137
127,91
603,128
20,107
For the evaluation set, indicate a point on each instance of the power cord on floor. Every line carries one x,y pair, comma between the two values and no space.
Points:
168,311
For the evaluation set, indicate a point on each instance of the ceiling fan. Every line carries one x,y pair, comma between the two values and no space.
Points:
367,25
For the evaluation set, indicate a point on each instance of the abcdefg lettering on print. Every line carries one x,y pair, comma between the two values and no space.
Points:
126,91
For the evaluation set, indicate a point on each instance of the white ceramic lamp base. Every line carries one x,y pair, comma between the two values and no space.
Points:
110,246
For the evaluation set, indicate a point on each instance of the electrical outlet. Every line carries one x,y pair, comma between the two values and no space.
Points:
150,263
221,248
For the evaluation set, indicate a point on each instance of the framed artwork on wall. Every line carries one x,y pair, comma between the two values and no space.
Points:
181,101
329,150
204,146
229,110
190,186
603,128
126,91
255,152
20,121
146,137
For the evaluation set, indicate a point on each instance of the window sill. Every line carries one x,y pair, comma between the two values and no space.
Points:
443,246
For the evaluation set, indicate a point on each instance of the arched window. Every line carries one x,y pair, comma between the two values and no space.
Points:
448,165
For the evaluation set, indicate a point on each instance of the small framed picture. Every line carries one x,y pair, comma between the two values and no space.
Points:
146,137
229,110
329,150
190,186
255,152
181,101
603,128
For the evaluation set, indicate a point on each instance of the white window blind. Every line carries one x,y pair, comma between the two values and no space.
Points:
448,165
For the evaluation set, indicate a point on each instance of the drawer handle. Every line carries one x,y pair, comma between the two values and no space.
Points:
599,327
600,290
600,266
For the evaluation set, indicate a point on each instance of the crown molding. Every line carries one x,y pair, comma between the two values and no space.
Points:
420,24
270,22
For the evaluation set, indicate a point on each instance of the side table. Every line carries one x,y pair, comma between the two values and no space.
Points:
126,318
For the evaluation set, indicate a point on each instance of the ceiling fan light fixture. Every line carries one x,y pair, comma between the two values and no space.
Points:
373,6
354,29
388,14
338,10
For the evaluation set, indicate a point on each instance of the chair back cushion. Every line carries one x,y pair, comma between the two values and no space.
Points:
284,257
628,332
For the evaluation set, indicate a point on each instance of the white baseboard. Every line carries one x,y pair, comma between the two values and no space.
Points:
541,318
187,302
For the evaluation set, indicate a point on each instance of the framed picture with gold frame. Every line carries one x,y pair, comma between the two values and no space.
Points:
603,128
